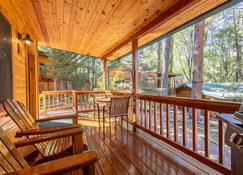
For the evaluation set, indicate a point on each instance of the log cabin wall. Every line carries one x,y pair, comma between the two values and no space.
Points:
19,23
19,69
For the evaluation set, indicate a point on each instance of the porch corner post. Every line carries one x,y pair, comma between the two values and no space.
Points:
134,81
104,75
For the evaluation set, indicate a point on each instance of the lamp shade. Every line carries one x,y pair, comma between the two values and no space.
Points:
27,39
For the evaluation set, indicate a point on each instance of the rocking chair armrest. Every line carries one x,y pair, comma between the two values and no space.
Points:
63,165
45,130
58,117
48,137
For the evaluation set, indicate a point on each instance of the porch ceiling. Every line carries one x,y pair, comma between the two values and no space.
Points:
99,27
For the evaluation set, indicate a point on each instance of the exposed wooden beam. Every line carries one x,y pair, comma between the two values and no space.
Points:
176,9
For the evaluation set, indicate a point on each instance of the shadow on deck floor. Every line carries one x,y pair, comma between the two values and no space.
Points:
123,152
126,152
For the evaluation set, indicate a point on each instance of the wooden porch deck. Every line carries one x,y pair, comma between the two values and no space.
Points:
123,152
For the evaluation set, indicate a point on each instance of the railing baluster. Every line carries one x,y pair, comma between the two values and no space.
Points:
57,100
81,102
145,114
53,99
44,103
89,101
175,124
150,115
49,101
221,143
167,121
155,117
206,134
161,118
194,130
184,126
141,112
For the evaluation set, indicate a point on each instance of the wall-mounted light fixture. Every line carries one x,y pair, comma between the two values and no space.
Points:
25,37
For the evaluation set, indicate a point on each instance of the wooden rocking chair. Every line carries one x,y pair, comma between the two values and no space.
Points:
29,128
12,162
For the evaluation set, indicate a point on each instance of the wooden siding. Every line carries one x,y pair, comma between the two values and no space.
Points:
20,23
19,69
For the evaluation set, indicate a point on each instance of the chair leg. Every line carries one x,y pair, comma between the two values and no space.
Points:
122,121
127,122
109,120
99,117
94,114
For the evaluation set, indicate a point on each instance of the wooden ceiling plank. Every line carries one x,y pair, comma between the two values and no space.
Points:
168,14
170,25
100,15
83,25
99,27
73,22
89,21
60,19
33,22
67,22
82,6
39,15
144,8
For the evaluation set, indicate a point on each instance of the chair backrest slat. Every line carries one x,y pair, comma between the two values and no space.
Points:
15,115
119,106
20,115
10,159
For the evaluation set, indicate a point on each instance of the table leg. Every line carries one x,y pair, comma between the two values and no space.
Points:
103,116
98,114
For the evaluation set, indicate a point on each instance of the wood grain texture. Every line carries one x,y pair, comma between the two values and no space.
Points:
99,28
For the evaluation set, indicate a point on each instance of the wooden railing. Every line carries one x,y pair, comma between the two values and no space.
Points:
186,124
189,125
55,100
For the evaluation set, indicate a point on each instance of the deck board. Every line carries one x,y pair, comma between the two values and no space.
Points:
125,152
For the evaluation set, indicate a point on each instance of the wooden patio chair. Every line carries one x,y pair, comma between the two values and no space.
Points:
30,129
12,162
118,108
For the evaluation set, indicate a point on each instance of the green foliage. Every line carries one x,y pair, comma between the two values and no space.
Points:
71,67
223,32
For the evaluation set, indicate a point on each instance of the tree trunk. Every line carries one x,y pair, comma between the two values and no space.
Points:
197,74
93,72
238,73
55,84
197,79
65,85
166,61
159,60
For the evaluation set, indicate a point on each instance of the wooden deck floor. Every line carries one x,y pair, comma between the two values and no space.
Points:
122,152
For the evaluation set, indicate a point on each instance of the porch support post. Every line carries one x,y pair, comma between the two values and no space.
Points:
104,75
134,80
33,79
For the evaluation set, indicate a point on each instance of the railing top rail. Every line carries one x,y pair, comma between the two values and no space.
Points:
217,106
57,92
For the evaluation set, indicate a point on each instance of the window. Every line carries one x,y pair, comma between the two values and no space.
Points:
5,60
